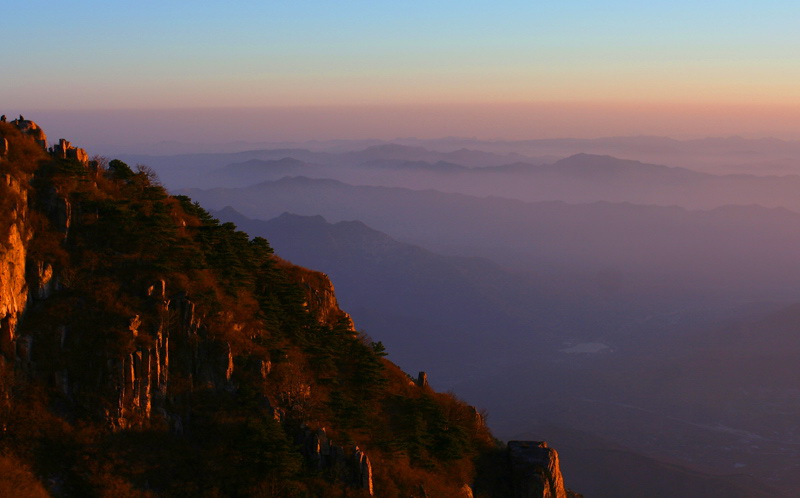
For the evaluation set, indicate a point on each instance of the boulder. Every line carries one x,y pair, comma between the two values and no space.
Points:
31,129
535,470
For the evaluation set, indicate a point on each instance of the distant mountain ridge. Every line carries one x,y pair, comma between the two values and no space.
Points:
578,178
674,243
423,303
171,168
719,155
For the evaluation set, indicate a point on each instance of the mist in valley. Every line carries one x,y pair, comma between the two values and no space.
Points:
632,300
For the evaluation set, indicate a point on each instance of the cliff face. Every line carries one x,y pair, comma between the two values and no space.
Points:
320,298
127,314
535,470
14,237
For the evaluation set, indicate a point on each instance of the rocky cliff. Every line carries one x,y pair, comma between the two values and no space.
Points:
15,234
535,470
147,349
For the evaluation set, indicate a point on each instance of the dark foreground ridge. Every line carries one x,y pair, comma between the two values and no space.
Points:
149,350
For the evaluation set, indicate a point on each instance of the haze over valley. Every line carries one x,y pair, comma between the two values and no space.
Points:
644,305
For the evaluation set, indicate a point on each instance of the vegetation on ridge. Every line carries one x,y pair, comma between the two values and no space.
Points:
108,233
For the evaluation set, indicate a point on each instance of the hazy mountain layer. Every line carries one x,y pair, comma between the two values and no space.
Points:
576,178
655,376
717,155
672,248
434,311
580,178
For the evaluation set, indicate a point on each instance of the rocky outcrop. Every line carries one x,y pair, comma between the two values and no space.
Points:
64,150
138,380
14,238
349,465
180,347
13,286
57,208
32,130
422,379
320,297
535,470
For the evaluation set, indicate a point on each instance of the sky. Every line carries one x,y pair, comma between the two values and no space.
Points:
674,68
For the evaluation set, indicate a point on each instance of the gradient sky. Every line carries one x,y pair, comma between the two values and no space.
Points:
711,55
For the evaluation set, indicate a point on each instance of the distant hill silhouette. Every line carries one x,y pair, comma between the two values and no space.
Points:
728,246
424,304
579,178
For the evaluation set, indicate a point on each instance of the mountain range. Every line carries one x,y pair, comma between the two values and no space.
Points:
717,155
148,349
723,247
578,178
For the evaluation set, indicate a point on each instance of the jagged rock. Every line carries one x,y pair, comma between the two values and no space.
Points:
64,150
13,285
3,148
58,209
13,253
352,467
535,470
422,379
162,363
315,447
321,298
466,491
362,477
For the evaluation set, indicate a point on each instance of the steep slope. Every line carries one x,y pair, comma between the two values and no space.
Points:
430,309
148,349
671,374
454,316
